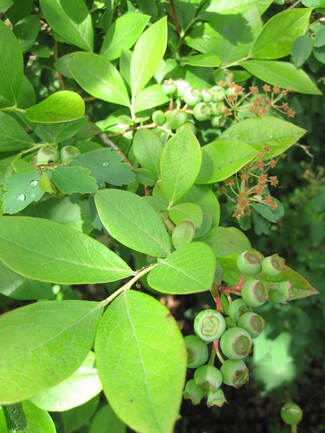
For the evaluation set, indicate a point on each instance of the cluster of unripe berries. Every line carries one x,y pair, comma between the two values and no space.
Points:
235,332
50,154
203,105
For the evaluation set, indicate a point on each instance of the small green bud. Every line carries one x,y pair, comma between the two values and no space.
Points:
209,325
197,351
68,153
202,111
175,119
216,398
218,93
183,234
254,293
236,343
249,262
181,85
47,154
207,95
280,292
193,392
253,323
218,107
291,413
192,96
237,308
158,117
208,378
235,373
273,265
216,121
169,87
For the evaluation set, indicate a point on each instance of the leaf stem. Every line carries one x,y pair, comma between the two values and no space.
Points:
113,146
129,284
173,12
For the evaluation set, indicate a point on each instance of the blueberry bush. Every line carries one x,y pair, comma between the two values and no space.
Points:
145,159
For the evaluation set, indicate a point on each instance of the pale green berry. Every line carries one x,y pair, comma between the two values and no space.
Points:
158,117
249,262
169,87
68,153
253,323
47,154
207,95
218,93
209,325
273,265
254,293
291,413
193,392
216,398
216,121
208,377
182,85
192,96
197,351
235,373
236,343
175,119
280,292
237,308
202,111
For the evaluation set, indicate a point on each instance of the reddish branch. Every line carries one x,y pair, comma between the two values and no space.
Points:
173,12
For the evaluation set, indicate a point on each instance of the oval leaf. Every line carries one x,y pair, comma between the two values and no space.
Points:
47,251
276,133
12,135
132,221
147,148
147,55
222,158
71,20
80,387
141,361
42,344
225,241
62,106
179,164
189,269
105,421
98,77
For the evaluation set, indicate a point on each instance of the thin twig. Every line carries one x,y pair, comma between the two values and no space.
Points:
172,9
294,5
113,146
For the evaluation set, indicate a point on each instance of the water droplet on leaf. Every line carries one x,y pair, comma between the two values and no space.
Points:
105,164
21,197
34,183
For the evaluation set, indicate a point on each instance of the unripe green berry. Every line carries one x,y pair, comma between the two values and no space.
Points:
280,292
273,265
218,93
249,262
193,392
181,85
197,351
218,107
253,323
236,343
202,111
254,293
216,121
158,117
47,154
291,413
230,322
192,96
175,119
235,373
237,308
209,325
169,87
208,378
216,398
207,95
68,153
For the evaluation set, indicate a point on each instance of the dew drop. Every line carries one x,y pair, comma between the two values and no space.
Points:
105,164
34,183
21,197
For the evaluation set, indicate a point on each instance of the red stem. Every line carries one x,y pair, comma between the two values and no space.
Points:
172,9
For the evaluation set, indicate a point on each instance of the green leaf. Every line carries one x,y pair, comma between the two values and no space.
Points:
301,50
225,241
282,74
319,54
37,420
26,95
70,180
21,190
71,20
147,55
105,421
186,212
228,7
150,97
43,344
78,417
280,32
314,3
208,60
179,164
17,287
106,166
62,106
132,221
189,269
12,135
224,157
96,75
203,38
5,4
141,360
58,132
11,67
77,389
204,197
272,215
276,133
320,37
27,31
47,251
123,34
147,148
